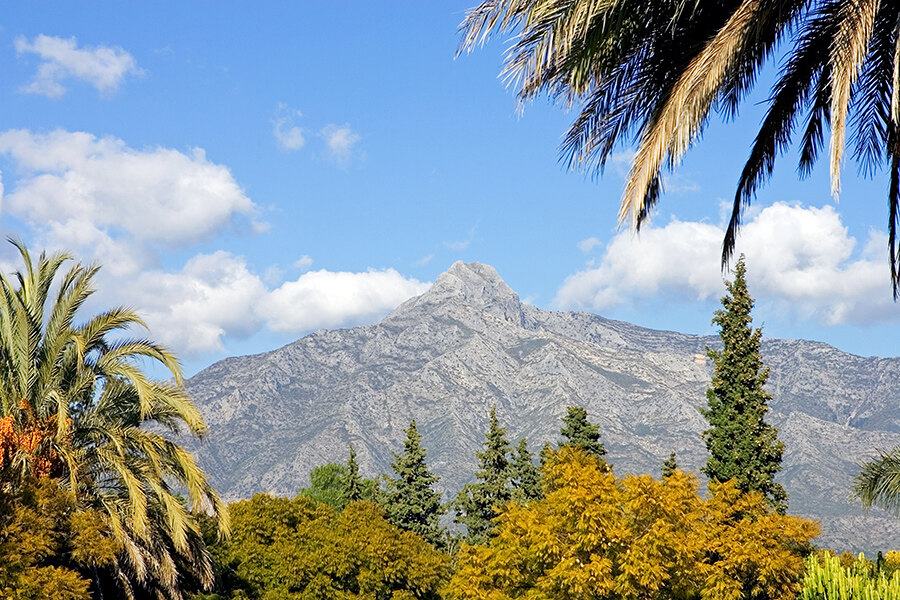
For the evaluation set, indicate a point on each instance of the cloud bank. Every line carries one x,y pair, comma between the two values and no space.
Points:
802,259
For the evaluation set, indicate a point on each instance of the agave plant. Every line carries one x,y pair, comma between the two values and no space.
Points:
77,406
651,72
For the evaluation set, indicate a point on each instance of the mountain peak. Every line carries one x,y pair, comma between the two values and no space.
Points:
472,285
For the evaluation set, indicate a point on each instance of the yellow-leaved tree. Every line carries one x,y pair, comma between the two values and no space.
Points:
595,535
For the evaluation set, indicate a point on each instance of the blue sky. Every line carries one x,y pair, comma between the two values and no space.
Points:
250,172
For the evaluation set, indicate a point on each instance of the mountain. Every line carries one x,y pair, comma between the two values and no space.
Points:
445,357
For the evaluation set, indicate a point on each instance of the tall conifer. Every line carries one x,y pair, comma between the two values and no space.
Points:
742,446
410,501
476,503
353,484
578,432
669,466
525,476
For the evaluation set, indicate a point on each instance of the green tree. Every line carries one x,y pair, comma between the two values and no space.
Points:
353,484
526,479
651,73
76,407
577,431
327,484
669,466
410,500
742,446
477,503
299,550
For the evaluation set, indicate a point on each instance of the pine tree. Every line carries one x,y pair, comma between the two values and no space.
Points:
353,484
578,432
410,500
525,475
742,446
669,466
476,503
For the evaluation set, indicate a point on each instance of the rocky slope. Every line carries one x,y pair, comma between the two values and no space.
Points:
444,358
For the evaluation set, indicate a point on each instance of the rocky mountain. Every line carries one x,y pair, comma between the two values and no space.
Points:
445,357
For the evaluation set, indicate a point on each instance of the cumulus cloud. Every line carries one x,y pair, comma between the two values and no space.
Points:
104,67
287,133
329,299
802,259
78,190
193,309
340,141
218,295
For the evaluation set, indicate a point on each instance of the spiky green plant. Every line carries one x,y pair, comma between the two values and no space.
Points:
826,579
651,73
80,408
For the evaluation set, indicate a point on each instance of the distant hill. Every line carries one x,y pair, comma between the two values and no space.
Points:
445,357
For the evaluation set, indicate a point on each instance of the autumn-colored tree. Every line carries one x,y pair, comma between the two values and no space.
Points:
299,550
50,547
597,536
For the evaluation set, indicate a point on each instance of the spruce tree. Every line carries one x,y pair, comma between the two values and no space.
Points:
410,500
525,476
741,445
476,503
669,466
578,432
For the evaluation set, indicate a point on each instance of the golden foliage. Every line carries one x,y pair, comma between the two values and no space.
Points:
596,535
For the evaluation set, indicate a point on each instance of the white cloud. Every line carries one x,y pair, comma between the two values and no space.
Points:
287,133
77,190
588,244
340,141
218,295
193,309
104,67
802,259
304,262
329,299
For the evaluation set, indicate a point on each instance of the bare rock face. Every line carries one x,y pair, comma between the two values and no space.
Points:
445,357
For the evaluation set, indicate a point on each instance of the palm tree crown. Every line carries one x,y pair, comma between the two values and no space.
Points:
76,406
650,73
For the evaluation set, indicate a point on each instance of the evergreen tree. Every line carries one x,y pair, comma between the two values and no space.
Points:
578,432
326,485
525,475
669,466
410,500
742,446
353,484
476,503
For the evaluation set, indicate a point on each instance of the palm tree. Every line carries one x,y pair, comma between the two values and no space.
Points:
650,72
76,406
878,484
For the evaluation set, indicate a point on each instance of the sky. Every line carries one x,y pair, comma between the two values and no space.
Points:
247,173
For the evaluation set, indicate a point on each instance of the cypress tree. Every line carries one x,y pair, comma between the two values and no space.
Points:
578,432
669,466
476,503
525,475
741,445
410,500
353,484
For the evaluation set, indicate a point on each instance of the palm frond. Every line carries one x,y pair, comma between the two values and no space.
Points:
878,483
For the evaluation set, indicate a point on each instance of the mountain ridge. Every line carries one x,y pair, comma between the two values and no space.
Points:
446,356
